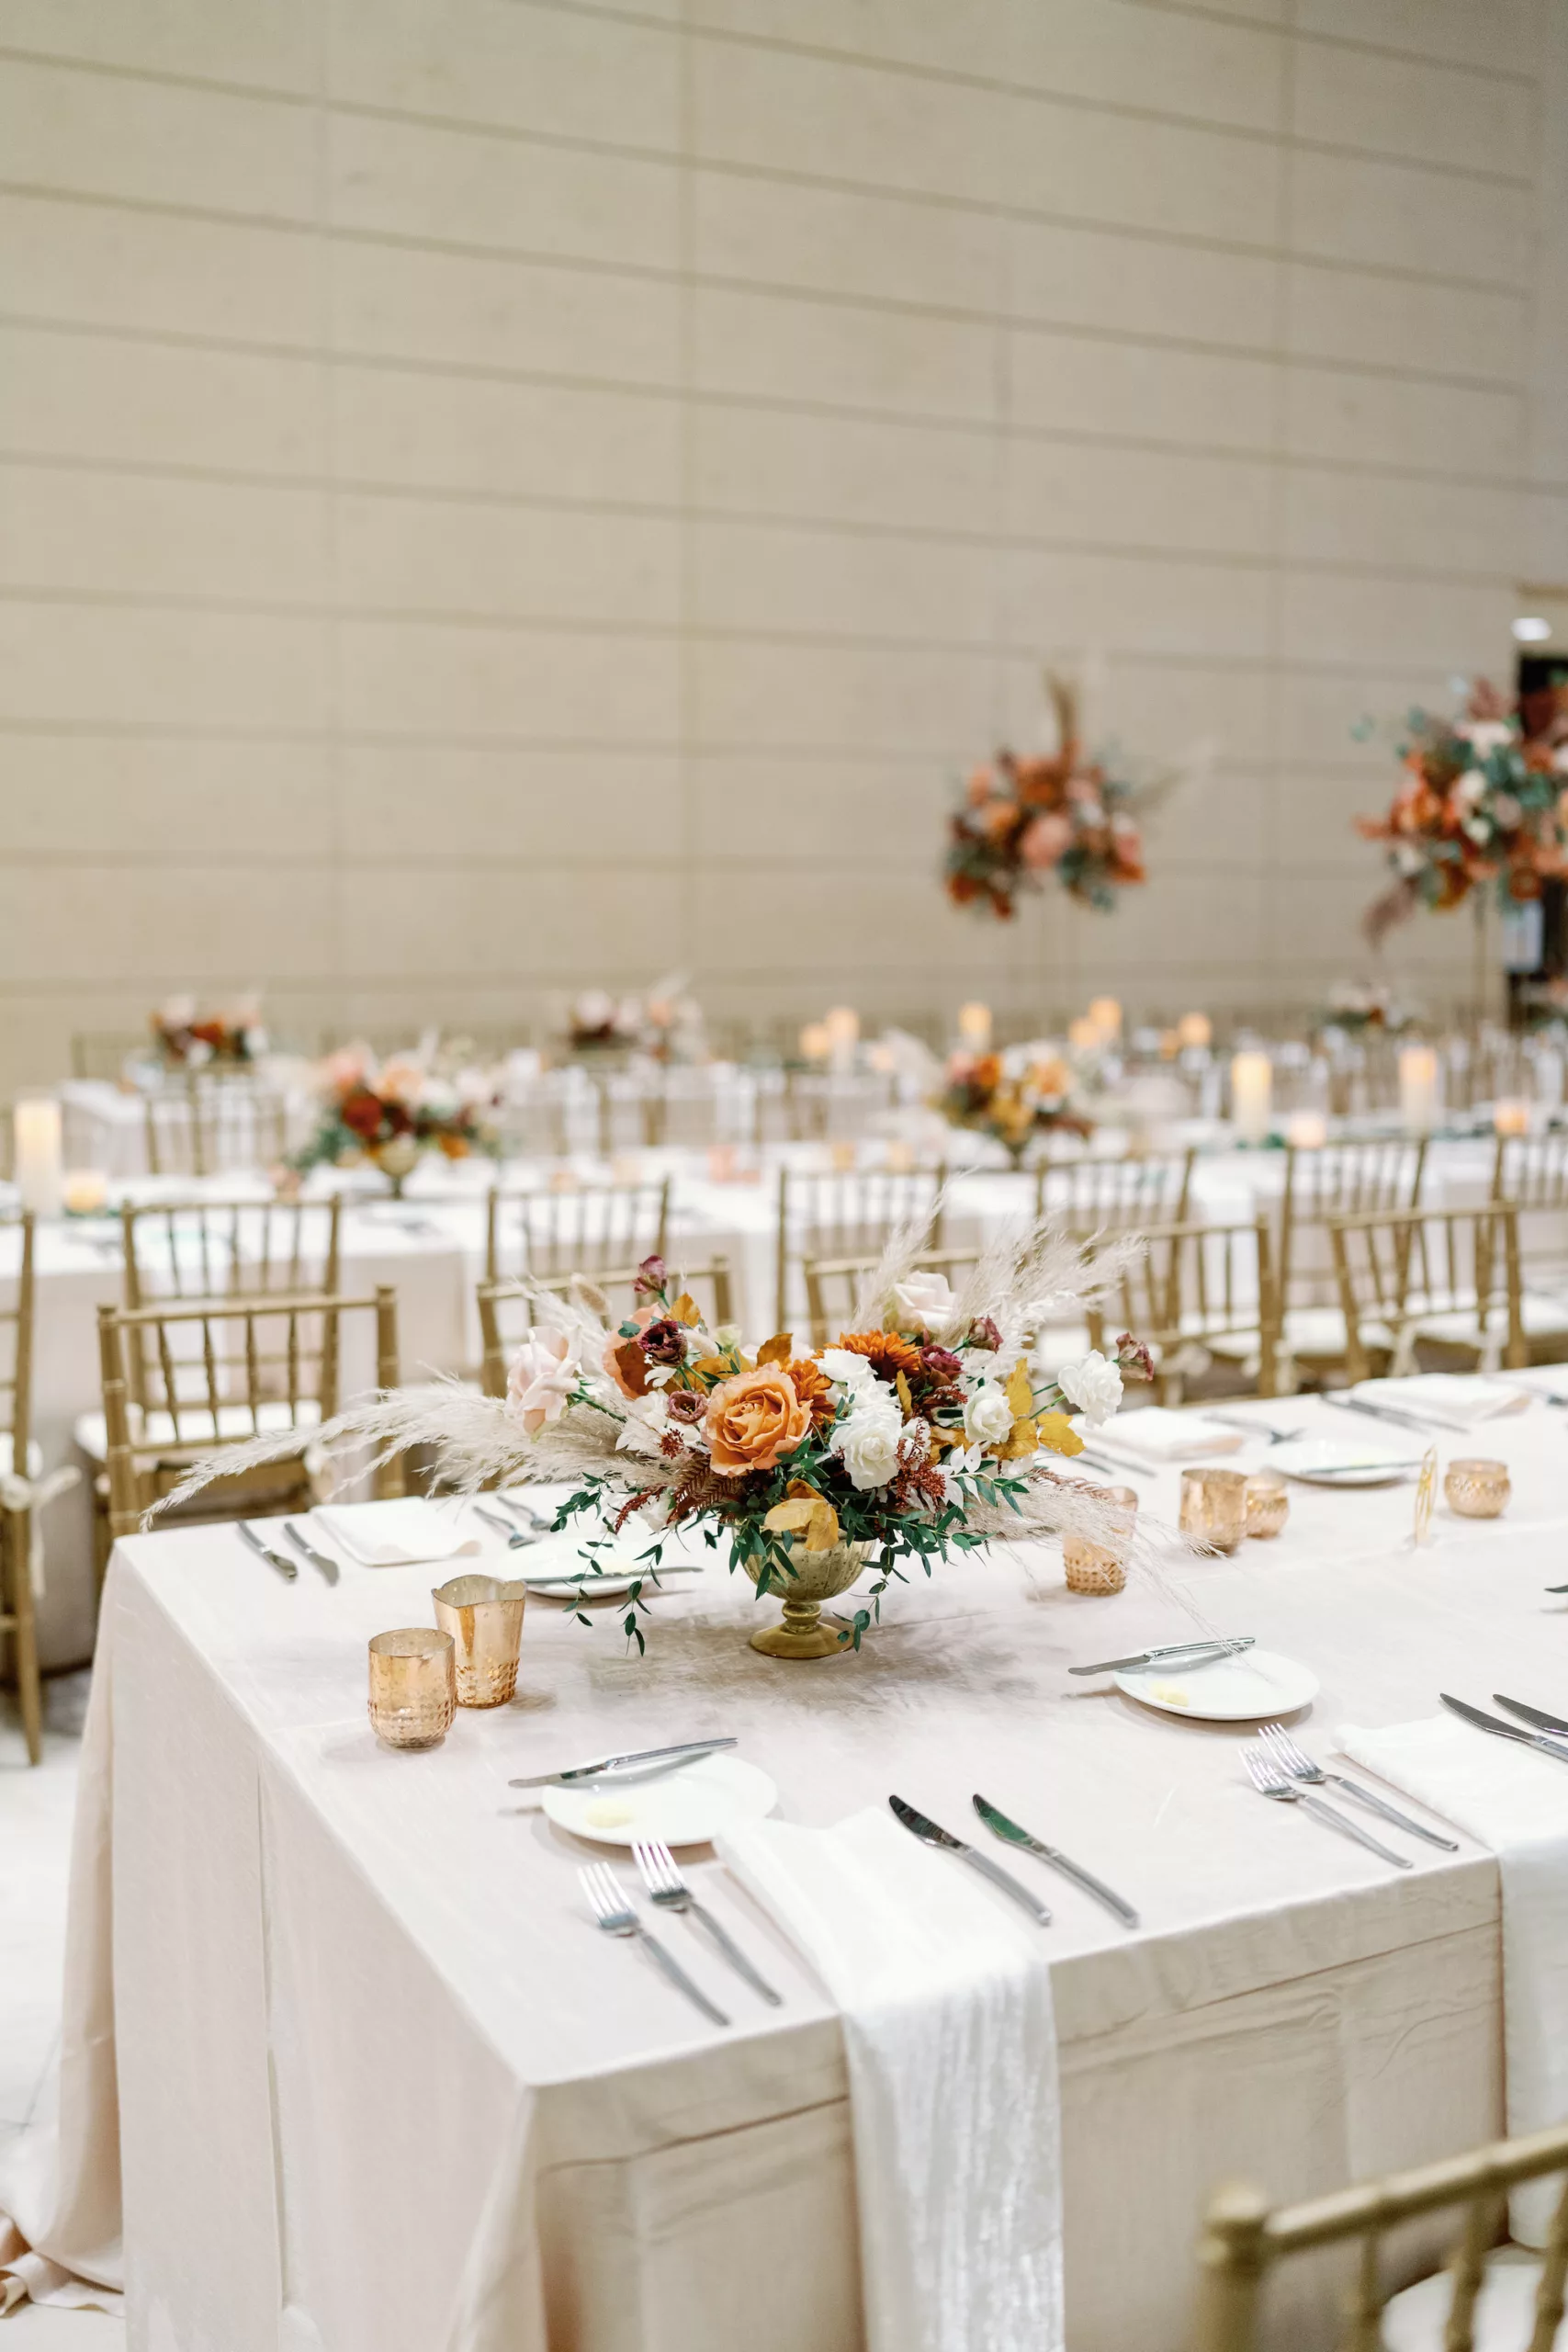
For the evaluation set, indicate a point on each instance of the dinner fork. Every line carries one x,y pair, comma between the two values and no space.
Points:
669,1892
1268,1779
1299,1766
1256,1428
613,1912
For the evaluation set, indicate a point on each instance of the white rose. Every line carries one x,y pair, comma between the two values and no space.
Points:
1485,735
925,1303
867,1443
646,1419
988,1416
1094,1386
543,1375
851,1370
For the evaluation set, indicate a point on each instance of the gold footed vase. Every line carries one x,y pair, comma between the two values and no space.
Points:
817,1577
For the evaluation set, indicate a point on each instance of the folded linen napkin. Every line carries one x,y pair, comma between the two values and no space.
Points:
1454,1400
392,1534
951,2054
1516,1801
1158,1435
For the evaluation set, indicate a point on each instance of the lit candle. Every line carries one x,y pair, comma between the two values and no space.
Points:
1252,1083
814,1042
843,1157
1195,1029
1083,1034
900,1155
1511,1116
1306,1130
86,1192
975,1026
1419,1088
1106,1016
38,1155
842,1024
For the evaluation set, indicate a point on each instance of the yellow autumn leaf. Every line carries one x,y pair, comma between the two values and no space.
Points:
1057,1434
808,1514
1020,1391
784,1519
1025,1439
908,1402
685,1310
778,1350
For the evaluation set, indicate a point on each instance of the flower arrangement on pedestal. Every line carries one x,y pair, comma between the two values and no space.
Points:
1477,806
920,1432
1363,1008
1014,1097
664,1025
232,1039
391,1113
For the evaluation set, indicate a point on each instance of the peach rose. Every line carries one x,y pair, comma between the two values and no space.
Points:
752,1420
615,1344
1045,838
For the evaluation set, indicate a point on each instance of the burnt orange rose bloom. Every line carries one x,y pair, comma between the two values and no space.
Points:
812,1385
888,1353
752,1420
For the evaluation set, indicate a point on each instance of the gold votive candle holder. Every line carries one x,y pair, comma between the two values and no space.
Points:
1100,1568
1477,1488
1213,1508
412,1685
1268,1502
484,1617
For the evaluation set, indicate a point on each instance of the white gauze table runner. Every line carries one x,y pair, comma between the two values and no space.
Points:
1514,1801
951,2048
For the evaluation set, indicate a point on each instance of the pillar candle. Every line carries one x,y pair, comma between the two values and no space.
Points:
1252,1082
1419,1088
1306,1130
38,1155
1510,1117
1106,1016
975,1026
1195,1029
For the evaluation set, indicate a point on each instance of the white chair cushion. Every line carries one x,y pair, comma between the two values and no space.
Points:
196,1426
35,1455
1505,2309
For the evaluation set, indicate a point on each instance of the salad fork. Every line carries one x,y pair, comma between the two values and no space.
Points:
1299,1766
1269,1780
613,1912
667,1891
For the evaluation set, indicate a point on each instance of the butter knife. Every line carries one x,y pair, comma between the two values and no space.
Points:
1388,1413
609,1765
1191,1654
931,1833
1010,1834
1532,1714
278,1560
1505,1731
322,1560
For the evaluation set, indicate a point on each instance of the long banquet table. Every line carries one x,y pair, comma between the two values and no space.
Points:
382,2085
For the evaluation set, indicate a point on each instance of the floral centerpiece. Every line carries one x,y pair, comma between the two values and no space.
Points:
232,1039
664,1025
1013,1097
391,1113
1360,1007
920,1432
1478,806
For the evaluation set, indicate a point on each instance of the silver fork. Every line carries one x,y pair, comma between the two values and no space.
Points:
1298,1765
524,1510
1269,1781
1256,1428
669,1892
614,1914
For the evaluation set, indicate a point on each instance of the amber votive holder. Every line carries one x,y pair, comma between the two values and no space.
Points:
1477,1488
1100,1568
1268,1502
484,1617
412,1685
1213,1508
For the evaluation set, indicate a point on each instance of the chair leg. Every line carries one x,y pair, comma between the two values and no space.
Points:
18,1530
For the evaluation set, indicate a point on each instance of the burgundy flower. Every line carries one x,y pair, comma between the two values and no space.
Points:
982,1333
1135,1358
941,1363
665,1341
651,1277
686,1405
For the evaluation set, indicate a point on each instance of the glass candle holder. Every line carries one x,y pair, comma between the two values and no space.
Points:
412,1685
1100,1568
484,1617
1213,1508
1477,1489
1268,1502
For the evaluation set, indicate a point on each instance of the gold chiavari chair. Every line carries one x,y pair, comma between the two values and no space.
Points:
17,1457
1445,1279
1336,1179
1530,1173
832,1285
210,1127
506,1311
1089,1193
851,1213
574,1229
1478,2304
262,1367
1204,1297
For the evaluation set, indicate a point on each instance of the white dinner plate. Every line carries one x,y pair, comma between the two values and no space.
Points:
619,1569
687,1807
1243,1689
1345,1461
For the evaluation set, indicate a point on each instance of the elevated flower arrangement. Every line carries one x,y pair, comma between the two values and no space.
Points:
1013,1097
664,1025
391,1113
185,1040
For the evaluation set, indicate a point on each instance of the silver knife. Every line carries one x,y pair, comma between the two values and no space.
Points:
1191,1653
322,1560
930,1833
1388,1413
284,1566
682,1754
1532,1714
1011,1835
1505,1731
506,1527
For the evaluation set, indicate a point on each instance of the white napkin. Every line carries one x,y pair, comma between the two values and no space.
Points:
1157,1435
951,2052
1514,1801
392,1535
1456,1401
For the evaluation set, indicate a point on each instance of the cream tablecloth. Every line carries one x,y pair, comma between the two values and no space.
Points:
382,2085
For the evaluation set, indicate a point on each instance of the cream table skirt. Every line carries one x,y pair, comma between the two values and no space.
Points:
380,2084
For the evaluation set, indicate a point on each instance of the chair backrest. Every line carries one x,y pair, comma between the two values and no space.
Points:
574,1229
212,1126
1090,1193
832,1285
851,1213
506,1312
1455,1271
1244,2240
224,1371
1532,1170
1194,1283
17,1359
191,1249
1339,1179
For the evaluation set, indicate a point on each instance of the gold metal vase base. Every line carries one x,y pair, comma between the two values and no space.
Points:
818,1576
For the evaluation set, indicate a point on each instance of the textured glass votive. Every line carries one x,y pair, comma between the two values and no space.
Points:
1100,1568
412,1689
1268,1502
484,1617
1213,1508
1477,1489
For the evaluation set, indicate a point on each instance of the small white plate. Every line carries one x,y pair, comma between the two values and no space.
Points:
1248,1688
687,1807
1344,1461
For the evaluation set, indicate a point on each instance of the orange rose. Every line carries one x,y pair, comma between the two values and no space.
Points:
752,1420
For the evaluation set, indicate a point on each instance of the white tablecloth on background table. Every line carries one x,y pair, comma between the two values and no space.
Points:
382,2085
